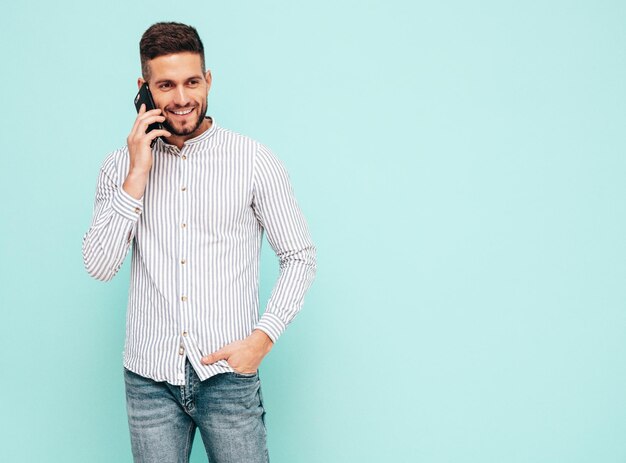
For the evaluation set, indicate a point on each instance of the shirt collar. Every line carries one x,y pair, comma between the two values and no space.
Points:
192,141
204,135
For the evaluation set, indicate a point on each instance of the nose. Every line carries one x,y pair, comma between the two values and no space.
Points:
180,96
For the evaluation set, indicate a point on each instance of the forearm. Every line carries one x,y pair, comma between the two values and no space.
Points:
135,183
261,341
118,208
114,223
297,271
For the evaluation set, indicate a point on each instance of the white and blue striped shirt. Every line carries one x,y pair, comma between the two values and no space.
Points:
196,236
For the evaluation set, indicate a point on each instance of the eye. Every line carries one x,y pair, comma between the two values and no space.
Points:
194,82
165,86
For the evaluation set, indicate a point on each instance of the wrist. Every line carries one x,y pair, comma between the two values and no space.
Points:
137,173
135,184
261,340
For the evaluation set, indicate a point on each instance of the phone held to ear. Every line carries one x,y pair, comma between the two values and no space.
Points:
145,97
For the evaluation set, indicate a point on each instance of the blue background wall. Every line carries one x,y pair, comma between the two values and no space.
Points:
461,166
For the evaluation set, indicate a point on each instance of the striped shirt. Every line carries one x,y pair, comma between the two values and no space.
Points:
196,237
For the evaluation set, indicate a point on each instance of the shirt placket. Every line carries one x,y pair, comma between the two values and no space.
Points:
182,255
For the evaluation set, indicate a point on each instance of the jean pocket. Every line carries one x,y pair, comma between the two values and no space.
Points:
236,374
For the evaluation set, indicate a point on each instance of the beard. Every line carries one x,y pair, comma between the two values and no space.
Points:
170,127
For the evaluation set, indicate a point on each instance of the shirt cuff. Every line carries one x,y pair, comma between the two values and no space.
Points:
271,325
127,206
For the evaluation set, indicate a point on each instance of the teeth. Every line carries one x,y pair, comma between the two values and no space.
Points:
182,113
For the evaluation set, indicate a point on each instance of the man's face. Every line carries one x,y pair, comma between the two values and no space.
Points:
180,90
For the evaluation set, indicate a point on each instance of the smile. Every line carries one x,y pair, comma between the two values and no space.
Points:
182,112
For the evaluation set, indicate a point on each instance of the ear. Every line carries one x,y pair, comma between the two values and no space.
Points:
140,82
208,79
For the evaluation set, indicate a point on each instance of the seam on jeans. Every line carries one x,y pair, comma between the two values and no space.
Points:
260,394
190,434
183,397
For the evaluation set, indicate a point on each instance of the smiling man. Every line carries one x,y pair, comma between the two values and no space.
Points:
194,208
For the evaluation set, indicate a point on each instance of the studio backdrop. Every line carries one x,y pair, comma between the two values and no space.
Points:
461,167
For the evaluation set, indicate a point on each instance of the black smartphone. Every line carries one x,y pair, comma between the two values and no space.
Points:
145,97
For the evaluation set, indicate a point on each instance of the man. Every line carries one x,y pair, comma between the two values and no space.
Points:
194,208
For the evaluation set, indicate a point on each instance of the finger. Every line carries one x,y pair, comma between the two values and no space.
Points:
152,112
143,114
142,124
145,122
149,118
215,356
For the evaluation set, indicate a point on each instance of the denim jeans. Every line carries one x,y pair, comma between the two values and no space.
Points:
226,408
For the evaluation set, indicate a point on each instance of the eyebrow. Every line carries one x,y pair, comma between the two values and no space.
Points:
161,81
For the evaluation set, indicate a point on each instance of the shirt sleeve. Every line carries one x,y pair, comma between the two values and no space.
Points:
106,243
278,213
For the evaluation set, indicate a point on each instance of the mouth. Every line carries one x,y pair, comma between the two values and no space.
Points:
181,112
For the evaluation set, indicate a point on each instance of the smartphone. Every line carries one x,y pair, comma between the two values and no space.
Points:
145,97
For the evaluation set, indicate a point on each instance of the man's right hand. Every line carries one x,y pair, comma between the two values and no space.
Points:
140,152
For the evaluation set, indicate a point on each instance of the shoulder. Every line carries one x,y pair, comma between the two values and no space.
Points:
236,140
257,151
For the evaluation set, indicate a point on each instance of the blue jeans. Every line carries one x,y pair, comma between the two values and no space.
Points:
226,408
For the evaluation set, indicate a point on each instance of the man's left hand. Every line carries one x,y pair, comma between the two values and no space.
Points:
243,356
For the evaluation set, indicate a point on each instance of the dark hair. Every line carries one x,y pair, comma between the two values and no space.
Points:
166,38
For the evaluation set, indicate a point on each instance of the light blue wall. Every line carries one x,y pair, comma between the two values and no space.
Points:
461,166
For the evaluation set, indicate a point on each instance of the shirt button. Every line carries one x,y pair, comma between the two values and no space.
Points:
182,261
184,225
137,210
185,333
184,188
184,298
181,351
184,157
